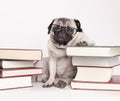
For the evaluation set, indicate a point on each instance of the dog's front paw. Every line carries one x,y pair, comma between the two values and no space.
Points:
82,43
49,83
60,84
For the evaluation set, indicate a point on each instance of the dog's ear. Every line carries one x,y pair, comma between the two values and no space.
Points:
49,27
77,22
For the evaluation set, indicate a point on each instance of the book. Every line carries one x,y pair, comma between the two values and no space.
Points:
15,82
16,63
93,74
112,85
96,61
15,72
94,51
21,54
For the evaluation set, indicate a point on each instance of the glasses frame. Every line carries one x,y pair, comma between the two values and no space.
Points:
61,27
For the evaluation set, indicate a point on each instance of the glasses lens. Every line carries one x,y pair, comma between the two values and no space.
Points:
69,30
56,28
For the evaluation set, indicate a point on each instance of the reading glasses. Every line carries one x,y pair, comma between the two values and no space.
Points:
68,30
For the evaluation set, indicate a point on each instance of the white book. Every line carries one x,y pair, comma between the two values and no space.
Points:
15,63
15,82
96,61
14,72
20,54
97,51
112,85
93,74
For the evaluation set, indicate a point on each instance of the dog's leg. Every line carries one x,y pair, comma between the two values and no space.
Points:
81,39
42,64
62,82
52,72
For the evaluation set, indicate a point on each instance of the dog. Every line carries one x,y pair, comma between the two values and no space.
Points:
64,32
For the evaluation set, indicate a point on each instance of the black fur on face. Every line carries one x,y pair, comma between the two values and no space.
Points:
61,37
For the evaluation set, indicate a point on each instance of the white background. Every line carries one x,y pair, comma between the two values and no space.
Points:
23,23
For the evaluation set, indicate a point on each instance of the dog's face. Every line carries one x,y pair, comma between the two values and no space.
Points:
62,30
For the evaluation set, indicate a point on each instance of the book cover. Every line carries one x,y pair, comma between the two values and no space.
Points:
15,82
16,63
15,72
96,61
112,85
93,74
94,51
21,54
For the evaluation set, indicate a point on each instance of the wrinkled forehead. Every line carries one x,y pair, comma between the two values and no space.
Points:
65,22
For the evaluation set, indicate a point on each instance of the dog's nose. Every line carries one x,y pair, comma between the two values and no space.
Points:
62,34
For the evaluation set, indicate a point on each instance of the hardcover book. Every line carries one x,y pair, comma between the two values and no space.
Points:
15,63
93,74
94,51
96,61
112,85
21,54
15,72
15,82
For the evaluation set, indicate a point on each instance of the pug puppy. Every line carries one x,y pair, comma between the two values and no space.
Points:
64,32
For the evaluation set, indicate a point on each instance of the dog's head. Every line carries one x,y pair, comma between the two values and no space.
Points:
62,30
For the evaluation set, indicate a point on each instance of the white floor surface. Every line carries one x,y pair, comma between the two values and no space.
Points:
38,93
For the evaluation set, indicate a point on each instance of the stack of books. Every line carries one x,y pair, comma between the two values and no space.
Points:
17,67
95,67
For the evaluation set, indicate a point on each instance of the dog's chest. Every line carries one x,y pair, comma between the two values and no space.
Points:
57,53
62,65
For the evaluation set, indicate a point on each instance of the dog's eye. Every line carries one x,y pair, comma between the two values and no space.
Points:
56,28
69,30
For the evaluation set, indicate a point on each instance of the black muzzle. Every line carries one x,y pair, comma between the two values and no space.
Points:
61,37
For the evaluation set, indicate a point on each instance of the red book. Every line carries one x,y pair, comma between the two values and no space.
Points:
112,85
